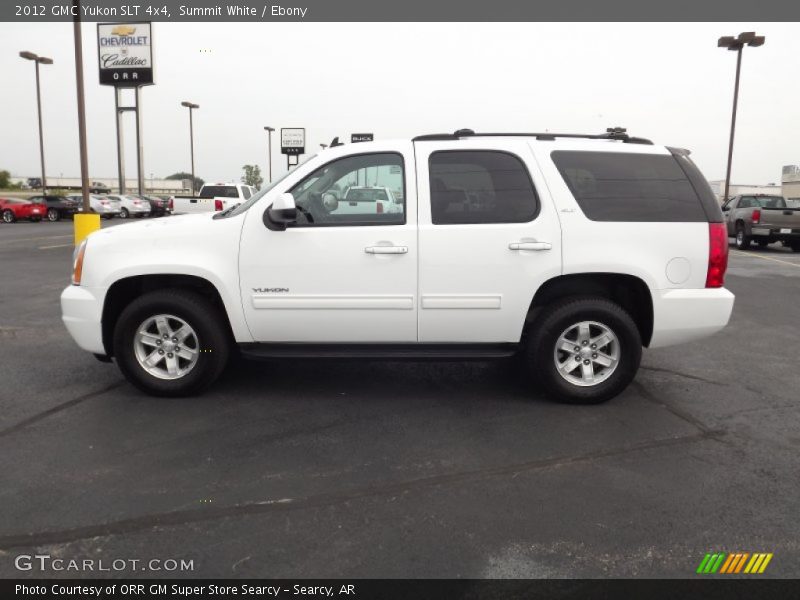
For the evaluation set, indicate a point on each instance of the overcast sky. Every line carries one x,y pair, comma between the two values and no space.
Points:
667,82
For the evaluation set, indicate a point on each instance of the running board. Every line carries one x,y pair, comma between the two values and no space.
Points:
421,351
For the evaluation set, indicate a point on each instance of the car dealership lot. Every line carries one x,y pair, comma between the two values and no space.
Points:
408,469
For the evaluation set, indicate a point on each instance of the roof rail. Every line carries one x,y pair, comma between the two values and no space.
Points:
612,133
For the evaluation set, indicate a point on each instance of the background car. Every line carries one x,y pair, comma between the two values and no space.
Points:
158,206
58,207
131,206
14,209
102,205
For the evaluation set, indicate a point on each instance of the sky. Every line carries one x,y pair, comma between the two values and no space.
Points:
399,80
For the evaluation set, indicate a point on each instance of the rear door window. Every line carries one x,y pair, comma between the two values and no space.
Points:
620,186
480,186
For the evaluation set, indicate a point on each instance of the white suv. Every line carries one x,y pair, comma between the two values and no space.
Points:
571,251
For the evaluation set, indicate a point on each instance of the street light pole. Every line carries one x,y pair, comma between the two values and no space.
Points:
191,106
269,131
45,61
736,44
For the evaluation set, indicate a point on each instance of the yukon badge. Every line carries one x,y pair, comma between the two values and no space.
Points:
270,290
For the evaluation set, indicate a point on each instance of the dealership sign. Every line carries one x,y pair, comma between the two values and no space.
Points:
293,140
125,54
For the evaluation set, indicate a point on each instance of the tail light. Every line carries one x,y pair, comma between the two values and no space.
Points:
104,202
380,207
756,216
217,204
717,254
170,204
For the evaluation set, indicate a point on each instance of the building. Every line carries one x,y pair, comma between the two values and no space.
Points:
790,182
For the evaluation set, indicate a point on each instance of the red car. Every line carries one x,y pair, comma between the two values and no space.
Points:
12,209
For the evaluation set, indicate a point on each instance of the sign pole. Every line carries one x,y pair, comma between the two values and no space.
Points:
139,142
86,222
120,144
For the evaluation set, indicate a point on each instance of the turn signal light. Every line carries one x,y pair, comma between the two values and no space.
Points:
717,254
77,264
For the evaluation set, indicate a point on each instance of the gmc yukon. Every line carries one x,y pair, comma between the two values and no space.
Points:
571,251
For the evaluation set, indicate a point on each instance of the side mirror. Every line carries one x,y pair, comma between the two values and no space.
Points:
282,212
329,202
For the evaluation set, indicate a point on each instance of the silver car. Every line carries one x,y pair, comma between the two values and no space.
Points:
102,205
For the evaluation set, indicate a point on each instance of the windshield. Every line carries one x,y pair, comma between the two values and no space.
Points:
240,208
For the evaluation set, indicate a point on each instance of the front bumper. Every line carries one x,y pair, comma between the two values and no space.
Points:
82,313
681,316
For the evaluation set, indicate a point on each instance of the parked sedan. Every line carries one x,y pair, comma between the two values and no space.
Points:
58,207
131,206
14,209
158,206
101,205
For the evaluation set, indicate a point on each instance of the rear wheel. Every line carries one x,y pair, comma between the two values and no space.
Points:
742,239
124,214
584,351
171,343
8,216
53,215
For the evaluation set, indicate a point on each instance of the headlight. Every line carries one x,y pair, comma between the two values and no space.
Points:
77,263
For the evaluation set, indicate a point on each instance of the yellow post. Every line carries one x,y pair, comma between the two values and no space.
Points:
84,225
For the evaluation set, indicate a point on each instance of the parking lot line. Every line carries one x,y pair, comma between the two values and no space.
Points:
58,246
36,239
778,260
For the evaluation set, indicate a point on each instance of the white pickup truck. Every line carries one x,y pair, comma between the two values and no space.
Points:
213,197
572,251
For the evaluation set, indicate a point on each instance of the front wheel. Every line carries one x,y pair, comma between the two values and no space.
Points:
8,216
53,215
171,343
584,351
124,214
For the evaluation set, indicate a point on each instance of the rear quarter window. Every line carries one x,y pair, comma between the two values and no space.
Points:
620,186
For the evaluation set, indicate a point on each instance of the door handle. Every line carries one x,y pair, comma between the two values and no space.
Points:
530,246
386,249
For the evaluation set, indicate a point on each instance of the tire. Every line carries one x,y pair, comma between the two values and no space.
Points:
542,358
8,216
53,215
211,340
742,239
124,214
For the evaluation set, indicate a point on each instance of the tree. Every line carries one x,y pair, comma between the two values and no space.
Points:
252,176
5,180
198,183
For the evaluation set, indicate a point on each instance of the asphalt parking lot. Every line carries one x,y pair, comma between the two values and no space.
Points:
335,469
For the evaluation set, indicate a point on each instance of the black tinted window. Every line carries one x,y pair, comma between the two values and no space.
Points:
219,191
480,186
617,186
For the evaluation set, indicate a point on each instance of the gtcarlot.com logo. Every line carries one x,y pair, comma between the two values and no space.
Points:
45,562
734,562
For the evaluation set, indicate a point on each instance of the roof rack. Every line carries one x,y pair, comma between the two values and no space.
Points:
612,133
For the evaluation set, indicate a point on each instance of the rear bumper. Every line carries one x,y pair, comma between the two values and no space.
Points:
82,312
684,315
